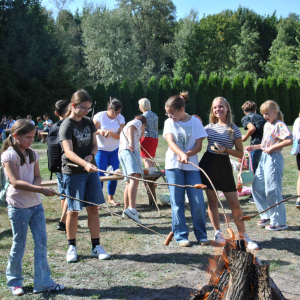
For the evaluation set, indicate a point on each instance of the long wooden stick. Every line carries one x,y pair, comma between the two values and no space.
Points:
249,217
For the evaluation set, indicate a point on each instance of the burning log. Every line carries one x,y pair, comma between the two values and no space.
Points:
239,276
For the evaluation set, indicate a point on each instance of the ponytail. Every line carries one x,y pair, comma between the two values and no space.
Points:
69,110
280,116
178,101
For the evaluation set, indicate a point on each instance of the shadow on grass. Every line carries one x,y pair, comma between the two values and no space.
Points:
5,234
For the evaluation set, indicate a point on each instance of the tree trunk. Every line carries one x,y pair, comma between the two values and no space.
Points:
261,283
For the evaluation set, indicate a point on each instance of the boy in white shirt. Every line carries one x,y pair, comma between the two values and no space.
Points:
130,160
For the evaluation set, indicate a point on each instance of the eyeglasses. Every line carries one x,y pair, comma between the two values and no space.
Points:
87,109
169,116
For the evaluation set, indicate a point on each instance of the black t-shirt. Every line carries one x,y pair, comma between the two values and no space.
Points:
258,121
81,135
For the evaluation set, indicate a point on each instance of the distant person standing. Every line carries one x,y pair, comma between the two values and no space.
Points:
296,136
9,125
254,123
150,139
29,119
3,125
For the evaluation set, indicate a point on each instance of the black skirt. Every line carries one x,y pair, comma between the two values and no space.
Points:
219,170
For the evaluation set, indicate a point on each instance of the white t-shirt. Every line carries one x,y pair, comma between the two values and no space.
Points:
110,143
137,135
185,134
296,129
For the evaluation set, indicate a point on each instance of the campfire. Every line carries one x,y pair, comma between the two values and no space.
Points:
238,275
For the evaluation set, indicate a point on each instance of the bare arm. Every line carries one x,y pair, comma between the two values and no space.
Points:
116,135
197,148
171,142
281,144
14,178
251,130
238,152
130,136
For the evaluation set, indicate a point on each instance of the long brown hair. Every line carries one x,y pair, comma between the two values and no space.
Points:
21,127
77,98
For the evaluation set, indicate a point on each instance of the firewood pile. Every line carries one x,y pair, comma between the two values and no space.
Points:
239,275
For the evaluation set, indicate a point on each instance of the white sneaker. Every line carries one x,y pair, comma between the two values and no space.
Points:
99,252
219,238
72,254
132,215
17,290
250,244
124,215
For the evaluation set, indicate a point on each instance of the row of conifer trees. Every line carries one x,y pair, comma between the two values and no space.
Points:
236,91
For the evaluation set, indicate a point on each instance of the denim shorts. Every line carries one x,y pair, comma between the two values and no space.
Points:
129,164
85,186
60,184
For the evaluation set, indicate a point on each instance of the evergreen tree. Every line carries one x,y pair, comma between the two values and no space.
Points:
164,94
189,85
261,93
227,90
177,87
126,100
113,90
272,88
249,88
153,94
294,96
100,97
203,100
215,86
283,99
137,94
239,98
91,91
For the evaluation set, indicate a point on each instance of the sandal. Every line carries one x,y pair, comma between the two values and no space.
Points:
263,222
113,203
276,228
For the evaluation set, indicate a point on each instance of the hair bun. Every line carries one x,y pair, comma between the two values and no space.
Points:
184,95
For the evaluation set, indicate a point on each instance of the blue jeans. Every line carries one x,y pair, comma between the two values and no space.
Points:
255,157
105,159
196,200
267,188
84,186
60,184
20,218
3,135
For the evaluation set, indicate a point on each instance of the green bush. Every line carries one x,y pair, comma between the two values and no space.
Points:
283,99
249,88
126,100
261,93
203,101
164,94
177,87
238,96
113,90
137,94
100,97
272,88
215,86
189,85
227,90
294,90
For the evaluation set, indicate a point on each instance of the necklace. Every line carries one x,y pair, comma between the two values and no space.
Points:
188,117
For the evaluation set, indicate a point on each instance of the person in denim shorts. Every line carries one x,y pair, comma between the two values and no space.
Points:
78,136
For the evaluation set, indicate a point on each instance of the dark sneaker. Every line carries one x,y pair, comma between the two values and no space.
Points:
61,226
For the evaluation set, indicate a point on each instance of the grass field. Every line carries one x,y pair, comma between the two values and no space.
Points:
141,267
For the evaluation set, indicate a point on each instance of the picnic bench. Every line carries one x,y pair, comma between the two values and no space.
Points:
152,177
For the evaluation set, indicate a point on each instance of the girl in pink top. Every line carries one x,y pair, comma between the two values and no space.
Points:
25,209
267,185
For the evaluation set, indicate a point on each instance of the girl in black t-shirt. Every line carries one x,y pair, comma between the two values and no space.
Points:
78,136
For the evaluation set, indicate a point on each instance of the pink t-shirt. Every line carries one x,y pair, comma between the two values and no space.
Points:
15,197
274,133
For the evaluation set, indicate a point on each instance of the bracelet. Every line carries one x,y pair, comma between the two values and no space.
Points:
93,155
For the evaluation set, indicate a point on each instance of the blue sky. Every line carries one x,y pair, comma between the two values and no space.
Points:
282,7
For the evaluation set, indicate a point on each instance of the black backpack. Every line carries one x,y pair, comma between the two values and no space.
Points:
54,149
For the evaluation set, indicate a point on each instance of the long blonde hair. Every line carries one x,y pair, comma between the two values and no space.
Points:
77,98
229,118
21,127
271,105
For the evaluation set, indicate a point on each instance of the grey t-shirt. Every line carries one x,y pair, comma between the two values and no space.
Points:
81,135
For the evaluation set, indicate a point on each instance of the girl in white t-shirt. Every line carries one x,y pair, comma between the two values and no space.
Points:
131,163
184,134
108,139
25,208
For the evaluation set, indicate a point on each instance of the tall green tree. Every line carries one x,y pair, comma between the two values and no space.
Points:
294,96
177,86
272,88
137,94
100,97
126,100
203,100
113,90
164,93
153,94
283,99
227,90
189,85
249,88
261,93
215,86
239,97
